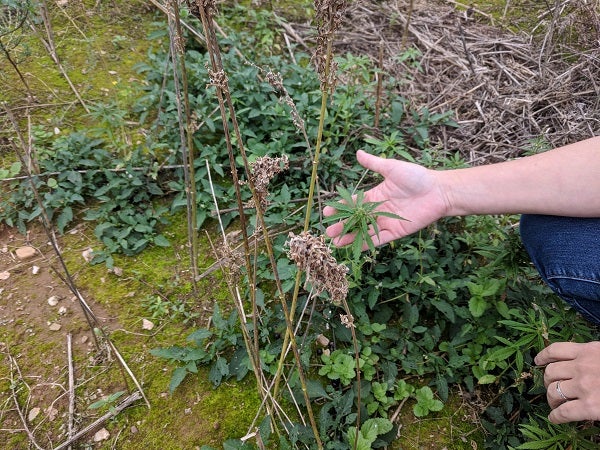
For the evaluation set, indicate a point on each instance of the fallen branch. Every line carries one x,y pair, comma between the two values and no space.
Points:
101,420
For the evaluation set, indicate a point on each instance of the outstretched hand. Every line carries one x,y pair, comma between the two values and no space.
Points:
577,368
408,190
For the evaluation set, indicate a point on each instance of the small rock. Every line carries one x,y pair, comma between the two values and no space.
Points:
35,270
147,325
323,341
24,253
101,435
54,326
33,413
87,255
53,301
51,413
4,275
187,411
4,249
62,310
117,271
84,339
134,429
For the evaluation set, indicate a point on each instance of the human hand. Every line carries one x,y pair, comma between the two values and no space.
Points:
577,368
408,190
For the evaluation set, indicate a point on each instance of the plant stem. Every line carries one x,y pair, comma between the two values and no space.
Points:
186,134
224,96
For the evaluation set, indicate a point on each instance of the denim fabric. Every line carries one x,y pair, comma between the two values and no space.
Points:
566,252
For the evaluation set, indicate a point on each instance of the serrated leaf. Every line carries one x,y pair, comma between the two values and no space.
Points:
64,218
487,379
178,376
477,306
161,241
315,389
199,336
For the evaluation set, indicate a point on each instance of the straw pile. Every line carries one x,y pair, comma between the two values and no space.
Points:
510,92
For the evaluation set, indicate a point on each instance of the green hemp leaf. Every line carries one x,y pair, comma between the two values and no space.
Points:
359,217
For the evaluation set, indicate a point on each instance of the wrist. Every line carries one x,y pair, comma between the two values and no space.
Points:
446,182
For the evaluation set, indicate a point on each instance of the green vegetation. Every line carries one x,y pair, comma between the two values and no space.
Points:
456,307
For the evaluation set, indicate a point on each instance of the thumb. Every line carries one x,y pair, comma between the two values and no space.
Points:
375,163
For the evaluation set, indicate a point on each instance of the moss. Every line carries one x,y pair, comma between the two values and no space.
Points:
453,428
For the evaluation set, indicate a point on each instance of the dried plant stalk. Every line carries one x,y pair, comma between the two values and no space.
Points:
205,10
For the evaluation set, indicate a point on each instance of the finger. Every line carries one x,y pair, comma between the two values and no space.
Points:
560,370
334,230
571,411
559,351
329,211
344,240
374,163
553,395
383,237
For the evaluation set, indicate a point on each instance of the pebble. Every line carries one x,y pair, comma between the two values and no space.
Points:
87,255
54,326
52,413
53,301
101,435
323,341
147,325
24,253
33,413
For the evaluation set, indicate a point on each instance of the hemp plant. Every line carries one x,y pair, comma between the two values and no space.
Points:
359,217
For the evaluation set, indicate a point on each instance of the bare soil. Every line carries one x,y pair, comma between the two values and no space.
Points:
37,313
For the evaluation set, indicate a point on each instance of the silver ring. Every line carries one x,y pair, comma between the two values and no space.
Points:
560,392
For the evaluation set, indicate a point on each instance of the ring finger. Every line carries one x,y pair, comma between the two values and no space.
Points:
558,393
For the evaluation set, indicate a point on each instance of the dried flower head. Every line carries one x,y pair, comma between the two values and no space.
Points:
276,80
209,6
261,173
218,79
328,16
312,255
230,259
347,320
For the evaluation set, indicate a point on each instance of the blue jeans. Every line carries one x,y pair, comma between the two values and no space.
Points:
566,252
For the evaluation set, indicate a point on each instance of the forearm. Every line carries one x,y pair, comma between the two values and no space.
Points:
564,181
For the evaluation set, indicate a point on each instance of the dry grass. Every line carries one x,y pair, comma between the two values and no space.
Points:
507,90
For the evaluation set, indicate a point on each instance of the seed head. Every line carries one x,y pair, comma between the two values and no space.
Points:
276,80
312,255
328,15
261,173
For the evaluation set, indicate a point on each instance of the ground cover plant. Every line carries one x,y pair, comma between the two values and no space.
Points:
344,346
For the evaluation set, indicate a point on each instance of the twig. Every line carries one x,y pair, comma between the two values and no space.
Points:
378,99
109,415
51,48
71,387
194,33
85,171
13,362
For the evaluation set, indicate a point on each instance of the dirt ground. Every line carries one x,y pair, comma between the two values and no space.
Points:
37,314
